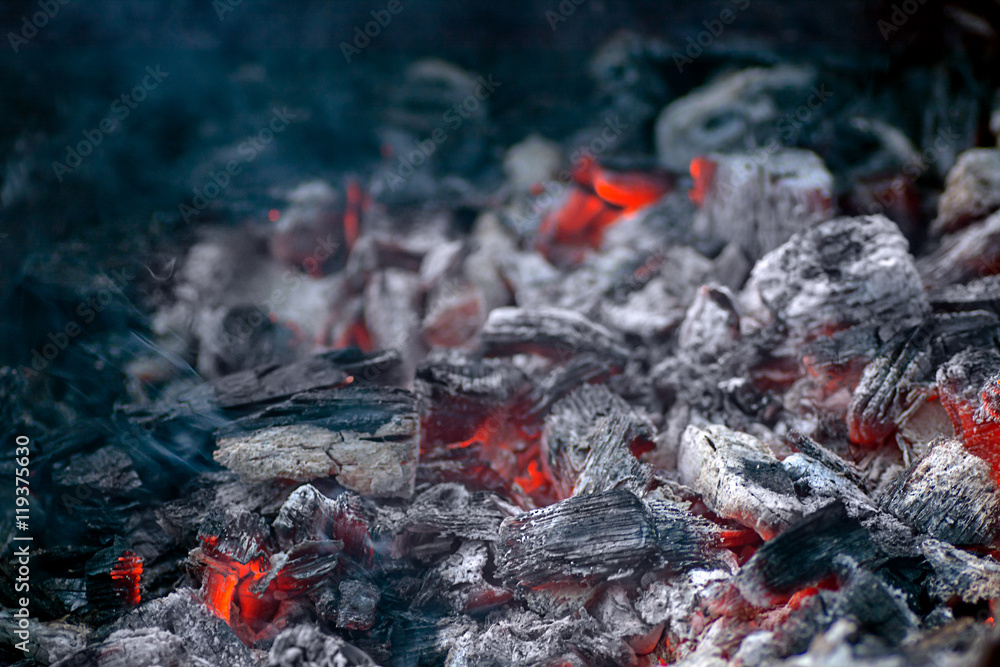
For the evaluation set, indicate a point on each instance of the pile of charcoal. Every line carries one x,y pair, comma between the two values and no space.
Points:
740,405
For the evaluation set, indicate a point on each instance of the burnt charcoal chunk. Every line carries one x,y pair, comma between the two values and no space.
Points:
257,387
980,294
602,536
760,205
204,634
555,333
310,515
459,391
308,646
803,555
240,535
881,396
961,573
949,494
146,646
358,600
108,469
366,438
971,253
826,458
447,510
739,478
842,272
972,190
588,438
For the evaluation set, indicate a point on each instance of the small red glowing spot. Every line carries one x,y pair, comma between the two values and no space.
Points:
126,576
534,480
702,171
273,215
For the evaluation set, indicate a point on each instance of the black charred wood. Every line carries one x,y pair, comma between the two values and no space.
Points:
554,333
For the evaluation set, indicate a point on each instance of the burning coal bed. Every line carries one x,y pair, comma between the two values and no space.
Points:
709,412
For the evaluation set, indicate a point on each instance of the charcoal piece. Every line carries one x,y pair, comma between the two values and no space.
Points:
108,469
391,302
587,441
455,313
310,515
618,616
739,478
824,456
254,388
970,253
447,510
184,615
145,646
949,494
606,535
459,582
886,386
728,113
113,578
550,332
980,294
972,190
238,535
960,573
711,325
582,369
300,570
658,306
523,639
842,272
803,555
459,391
364,437
877,607
358,600
308,646
760,205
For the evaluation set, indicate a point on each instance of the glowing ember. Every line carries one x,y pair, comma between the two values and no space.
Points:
702,171
126,576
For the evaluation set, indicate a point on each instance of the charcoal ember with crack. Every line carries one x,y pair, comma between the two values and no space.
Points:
967,388
803,555
308,646
971,190
596,538
550,332
961,573
589,439
711,324
950,494
842,272
739,478
364,437
760,205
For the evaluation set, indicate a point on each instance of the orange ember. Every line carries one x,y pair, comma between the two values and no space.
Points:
703,172
598,199
975,425
126,576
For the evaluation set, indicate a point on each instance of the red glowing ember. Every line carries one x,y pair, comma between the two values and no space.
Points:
598,199
702,171
126,576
